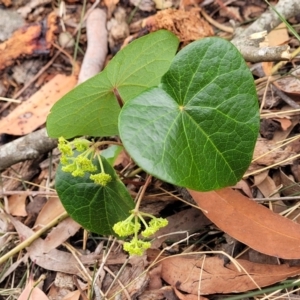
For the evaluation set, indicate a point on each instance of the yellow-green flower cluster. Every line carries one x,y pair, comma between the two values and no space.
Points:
101,178
136,246
154,225
132,225
79,165
127,227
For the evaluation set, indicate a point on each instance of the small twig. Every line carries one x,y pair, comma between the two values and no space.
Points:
79,288
101,267
119,282
75,255
276,198
215,23
27,147
32,238
284,97
10,100
271,166
28,193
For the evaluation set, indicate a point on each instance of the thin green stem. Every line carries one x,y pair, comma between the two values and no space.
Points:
101,164
141,195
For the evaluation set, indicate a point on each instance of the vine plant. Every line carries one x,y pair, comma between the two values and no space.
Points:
190,119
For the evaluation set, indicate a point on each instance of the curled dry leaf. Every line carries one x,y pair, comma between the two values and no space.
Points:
290,85
75,295
290,187
187,25
180,225
268,187
209,275
267,153
29,40
250,223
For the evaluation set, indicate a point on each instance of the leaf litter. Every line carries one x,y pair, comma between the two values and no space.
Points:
273,177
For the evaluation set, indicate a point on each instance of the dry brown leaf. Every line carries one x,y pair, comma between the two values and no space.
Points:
231,12
251,12
182,296
75,295
33,113
268,187
27,41
56,260
60,234
132,276
32,293
290,187
267,67
186,272
187,25
250,223
155,281
186,221
284,122
186,4
278,36
267,153
259,178
111,5
244,186
290,85
280,136
52,209
6,2
17,205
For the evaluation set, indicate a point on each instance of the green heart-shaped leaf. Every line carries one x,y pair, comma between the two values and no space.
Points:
97,208
199,128
92,107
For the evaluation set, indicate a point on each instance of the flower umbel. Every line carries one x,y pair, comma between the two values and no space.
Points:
127,227
132,225
136,246
101,178
80,164
81,144
65,147
85,164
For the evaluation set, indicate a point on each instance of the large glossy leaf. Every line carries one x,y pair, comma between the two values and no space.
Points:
198,129
97,208
92,107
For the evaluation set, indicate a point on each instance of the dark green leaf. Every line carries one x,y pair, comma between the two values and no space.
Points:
92,107
199,128
95,207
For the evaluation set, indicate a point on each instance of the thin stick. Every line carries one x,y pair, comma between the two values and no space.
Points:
32,238
27,193
10,100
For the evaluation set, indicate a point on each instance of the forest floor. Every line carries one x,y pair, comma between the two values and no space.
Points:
240,242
